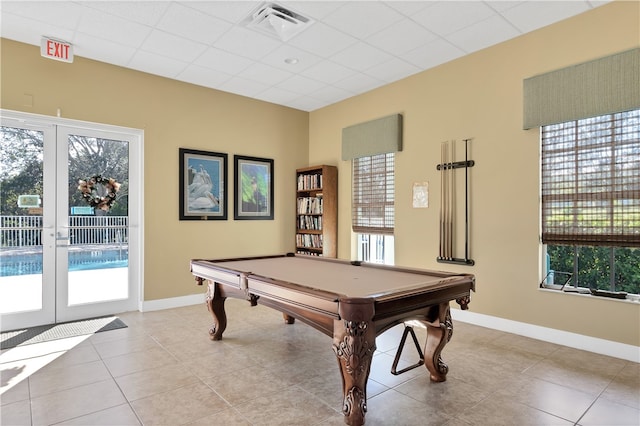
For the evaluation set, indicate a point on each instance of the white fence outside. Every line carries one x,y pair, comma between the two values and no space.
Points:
26,231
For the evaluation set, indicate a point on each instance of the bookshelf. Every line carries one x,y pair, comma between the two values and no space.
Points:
317,211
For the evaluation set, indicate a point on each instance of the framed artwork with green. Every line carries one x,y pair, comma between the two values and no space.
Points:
253,183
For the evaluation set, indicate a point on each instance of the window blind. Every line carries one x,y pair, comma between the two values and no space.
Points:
373,194
591,181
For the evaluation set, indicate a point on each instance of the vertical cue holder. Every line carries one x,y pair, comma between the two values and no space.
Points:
447,169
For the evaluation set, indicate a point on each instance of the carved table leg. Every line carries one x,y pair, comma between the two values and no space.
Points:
354,343
438,334
215,305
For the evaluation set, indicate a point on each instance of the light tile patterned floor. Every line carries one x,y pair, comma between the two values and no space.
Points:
163,370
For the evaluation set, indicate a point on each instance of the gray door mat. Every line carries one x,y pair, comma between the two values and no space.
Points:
45,333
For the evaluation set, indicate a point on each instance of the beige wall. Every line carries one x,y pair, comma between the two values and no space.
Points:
480,97
173,115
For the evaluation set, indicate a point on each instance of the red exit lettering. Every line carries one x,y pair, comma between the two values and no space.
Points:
56,49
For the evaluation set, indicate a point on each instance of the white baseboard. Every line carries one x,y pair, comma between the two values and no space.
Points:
174,302
565,338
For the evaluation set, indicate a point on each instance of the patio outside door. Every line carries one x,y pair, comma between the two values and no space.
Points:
67,253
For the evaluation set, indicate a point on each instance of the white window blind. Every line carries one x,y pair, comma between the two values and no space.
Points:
591,181
373,194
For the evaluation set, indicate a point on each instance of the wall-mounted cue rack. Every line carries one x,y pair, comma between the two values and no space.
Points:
448,205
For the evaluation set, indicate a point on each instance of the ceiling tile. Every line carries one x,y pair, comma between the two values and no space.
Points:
432,54
306,103
157,64
102,50
264,74
244,42
220,60
360,56
65,15
392,70
313,9
359,83
501,6
231,11
203,76
243,86
143,12
362,19
483,34
114,28
408,8
300,84
192,24
19,28
529,16
277,95
331,92
327,72
401,37
277,58
172,46
322,40
447,17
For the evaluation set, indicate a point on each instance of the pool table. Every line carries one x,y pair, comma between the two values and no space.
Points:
352,302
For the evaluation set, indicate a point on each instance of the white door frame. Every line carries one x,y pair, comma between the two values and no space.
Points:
136,206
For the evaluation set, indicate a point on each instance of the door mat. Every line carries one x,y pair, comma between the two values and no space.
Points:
45,333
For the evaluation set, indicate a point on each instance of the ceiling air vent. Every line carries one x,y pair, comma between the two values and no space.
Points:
277,21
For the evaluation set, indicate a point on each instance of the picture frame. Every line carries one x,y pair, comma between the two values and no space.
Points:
253,188
203,185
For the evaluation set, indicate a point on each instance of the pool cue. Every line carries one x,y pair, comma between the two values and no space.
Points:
466,199
446,200
441,199
452,201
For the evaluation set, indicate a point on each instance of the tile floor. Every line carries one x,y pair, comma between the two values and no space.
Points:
163,370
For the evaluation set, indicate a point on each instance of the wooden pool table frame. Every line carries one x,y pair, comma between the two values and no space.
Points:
353,322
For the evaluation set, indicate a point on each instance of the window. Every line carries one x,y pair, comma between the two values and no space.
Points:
373,209
591,200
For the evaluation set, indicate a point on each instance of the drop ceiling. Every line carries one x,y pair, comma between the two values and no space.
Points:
348,47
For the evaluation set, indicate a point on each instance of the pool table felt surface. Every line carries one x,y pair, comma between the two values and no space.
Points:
339,277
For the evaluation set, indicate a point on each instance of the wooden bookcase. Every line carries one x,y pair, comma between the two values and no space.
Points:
317,211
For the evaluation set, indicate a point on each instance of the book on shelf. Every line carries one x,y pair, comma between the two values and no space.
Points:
310,205
309,181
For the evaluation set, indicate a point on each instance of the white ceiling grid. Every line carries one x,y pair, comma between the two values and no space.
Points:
350,48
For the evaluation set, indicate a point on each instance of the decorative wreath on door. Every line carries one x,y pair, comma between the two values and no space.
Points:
99,192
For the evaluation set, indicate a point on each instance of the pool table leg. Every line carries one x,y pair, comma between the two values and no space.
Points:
439,333
354,343
215,305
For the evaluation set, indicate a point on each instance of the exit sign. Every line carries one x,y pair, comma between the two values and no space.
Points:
56,49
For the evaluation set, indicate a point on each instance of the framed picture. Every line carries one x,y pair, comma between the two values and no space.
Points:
203,185
253,182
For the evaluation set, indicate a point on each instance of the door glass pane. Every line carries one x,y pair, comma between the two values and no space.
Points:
21,195
98,250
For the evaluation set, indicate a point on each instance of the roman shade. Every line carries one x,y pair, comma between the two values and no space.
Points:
379,136
602,86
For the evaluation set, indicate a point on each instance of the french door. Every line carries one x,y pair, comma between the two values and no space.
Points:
70,220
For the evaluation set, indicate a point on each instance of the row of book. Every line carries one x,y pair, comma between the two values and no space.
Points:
309,240
311,181
310,222
309,253
309,205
